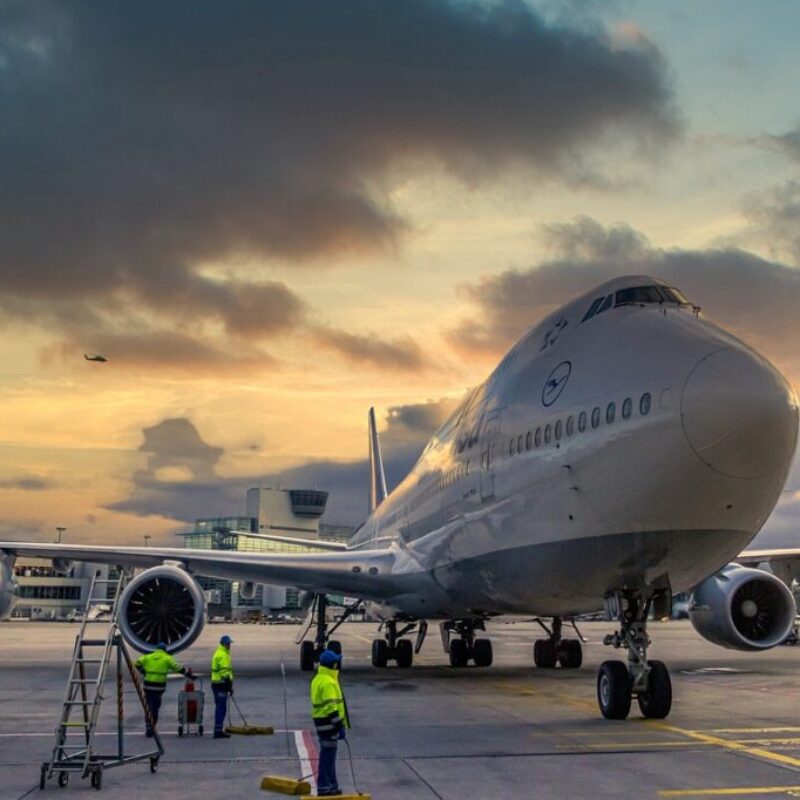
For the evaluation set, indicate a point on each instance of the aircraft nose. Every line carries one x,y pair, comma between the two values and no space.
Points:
739,414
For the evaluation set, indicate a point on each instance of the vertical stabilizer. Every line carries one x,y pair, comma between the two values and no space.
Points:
377,480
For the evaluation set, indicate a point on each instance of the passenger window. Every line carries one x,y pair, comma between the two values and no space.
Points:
511,447
644,404
548,434
595,416
558,430
570,426
519,444
537,439
627,407
582,421
528,440
611,412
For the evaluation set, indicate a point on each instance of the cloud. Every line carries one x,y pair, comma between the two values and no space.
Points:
144,142
402,354
776,218
180,480
756,297
27,483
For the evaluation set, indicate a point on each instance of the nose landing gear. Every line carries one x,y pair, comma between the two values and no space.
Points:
310,651
648,681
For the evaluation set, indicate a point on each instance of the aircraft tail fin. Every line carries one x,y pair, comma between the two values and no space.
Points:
377,479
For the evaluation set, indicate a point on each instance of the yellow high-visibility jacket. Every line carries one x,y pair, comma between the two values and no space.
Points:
156,666
328,708
221,666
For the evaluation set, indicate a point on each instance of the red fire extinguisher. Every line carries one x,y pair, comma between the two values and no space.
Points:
191,705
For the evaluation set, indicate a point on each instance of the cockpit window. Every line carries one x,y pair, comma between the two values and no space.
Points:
673,295
638,294
593,308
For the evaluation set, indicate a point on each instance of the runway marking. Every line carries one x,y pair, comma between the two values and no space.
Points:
740,791
753,730
730,744
628,745
305,759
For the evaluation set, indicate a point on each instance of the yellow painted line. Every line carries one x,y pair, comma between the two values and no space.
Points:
753,730
637,744
358,636
740,791
728,744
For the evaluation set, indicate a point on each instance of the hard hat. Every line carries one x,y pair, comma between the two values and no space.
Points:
226,639
161,646
327,658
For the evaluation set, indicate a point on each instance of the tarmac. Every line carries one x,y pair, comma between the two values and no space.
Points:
434,732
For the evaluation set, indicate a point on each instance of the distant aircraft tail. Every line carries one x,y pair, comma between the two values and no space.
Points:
377,479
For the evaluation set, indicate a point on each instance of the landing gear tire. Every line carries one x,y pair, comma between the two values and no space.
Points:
154,765
307,656
459,655
657,701
570,654
380,653
544,654
614,690
404,653
482,653
180,731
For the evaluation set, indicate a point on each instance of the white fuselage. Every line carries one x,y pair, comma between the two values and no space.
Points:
642,447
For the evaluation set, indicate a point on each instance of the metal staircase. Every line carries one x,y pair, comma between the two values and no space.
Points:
75,747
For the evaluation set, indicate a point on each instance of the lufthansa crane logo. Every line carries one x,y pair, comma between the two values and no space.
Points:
555,383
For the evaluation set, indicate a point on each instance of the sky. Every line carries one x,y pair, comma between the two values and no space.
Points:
271,216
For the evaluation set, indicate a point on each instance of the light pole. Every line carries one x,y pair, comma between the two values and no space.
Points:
60,530
147,538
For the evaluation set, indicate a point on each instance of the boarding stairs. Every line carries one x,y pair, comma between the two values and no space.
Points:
75,749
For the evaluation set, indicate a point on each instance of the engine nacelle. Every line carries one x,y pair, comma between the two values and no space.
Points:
743,609
8,589
162,604
247,590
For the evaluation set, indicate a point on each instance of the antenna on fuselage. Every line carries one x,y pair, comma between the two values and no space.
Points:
377,480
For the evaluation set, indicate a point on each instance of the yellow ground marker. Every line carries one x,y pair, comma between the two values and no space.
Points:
292,786
740,791
728,744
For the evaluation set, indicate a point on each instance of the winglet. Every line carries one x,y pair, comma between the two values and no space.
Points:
377,480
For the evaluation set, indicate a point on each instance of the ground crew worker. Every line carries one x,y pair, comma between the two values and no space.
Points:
155,667
221,684
329,711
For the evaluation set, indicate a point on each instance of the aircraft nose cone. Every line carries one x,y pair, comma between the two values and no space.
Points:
739,414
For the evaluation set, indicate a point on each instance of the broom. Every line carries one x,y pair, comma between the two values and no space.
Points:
246,729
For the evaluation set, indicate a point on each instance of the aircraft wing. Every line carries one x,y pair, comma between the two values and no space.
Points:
760,556
363,573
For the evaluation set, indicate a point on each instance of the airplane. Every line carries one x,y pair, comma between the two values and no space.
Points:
624,450
96,357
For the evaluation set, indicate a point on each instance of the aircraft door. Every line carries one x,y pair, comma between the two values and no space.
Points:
488,445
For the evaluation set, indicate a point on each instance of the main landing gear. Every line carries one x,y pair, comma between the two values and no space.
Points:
310,651
394,648
557,650
467,647
648,681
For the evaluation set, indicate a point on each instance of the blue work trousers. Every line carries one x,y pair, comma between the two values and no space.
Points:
326,774
220,708
154,703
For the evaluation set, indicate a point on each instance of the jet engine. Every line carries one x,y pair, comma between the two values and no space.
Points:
162,604
8,589
743,609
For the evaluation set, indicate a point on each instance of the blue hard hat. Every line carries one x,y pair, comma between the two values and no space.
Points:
226,639
327,658
161,646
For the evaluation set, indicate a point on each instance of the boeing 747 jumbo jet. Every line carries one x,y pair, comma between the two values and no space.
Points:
624,450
